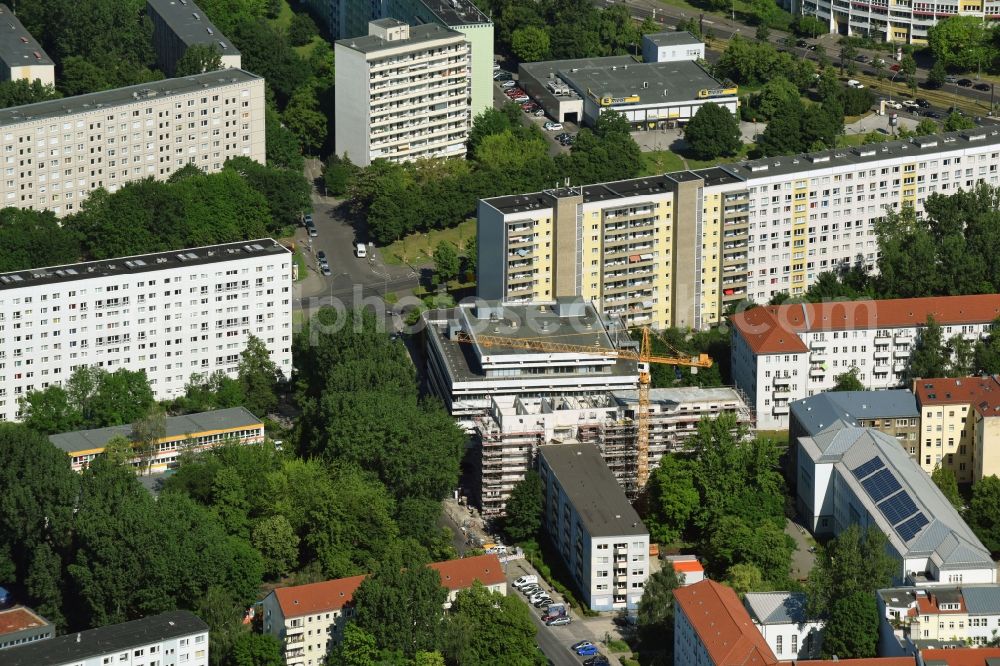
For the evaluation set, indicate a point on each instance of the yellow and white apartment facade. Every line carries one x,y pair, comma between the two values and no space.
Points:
902,21
677,249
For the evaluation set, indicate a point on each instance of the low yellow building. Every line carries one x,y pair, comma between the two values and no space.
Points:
191,432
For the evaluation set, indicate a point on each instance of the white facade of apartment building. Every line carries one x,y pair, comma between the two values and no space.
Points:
402,93
57,152
788,352
171,314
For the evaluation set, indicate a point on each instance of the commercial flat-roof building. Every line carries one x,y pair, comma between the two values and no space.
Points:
784,353
20,626
672,45
175,637
169,314
402,93
309,619
651,95
600,537
860,476
467,373
69,147
21,56
181,24
345,19
197,432
680,249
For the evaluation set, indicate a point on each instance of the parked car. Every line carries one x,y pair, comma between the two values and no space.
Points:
558,622
922,103
521,98
321,257
311,228
538,113
597,660
360,251
307,219
951,79
862,58
965,83
525,580
553,126
893,105
894,68
551,616
587,650
530,589
580,644
910,104
508,84
983,86
544,601
801,43
325,269
931,114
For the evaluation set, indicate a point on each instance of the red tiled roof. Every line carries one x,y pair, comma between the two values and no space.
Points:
687,565
461,574
983,393
334,594
962,656
19,618
723,625
774,329
930,605
874,661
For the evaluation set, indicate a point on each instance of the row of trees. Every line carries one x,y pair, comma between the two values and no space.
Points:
505,156
245,200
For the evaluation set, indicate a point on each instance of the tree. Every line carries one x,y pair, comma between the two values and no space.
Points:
530,43
253,649
984,512
848,52
957,120
851,632
936,75
29,239
302,29
338,174
962,42
776,93
673,499
524,508
471,250
809,26
743,578
278,545
147,433
259,377
713,132
400,604
49,411
783,135
853,563
486,627
197,59
944,479
303,117
908,68
928,359
849,381
762,33
446,262
281,145
286,192
357,648
655,618
732,541
987,354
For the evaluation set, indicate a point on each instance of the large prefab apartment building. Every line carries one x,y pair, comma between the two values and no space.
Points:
169,314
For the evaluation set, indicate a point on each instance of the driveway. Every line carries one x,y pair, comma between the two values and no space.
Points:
802,560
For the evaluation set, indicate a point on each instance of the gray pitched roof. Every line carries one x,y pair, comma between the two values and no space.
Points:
983,600
946,538
819,412
776,607
177,426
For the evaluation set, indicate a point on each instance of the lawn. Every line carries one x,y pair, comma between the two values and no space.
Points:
848,140
300,261
284,19
664,161
417,249
780,437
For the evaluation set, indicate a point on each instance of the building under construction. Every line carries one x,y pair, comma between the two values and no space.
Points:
508,437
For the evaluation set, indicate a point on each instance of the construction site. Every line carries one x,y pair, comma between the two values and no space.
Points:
507,438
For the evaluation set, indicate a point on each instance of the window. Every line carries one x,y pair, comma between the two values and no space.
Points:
795,644
777,645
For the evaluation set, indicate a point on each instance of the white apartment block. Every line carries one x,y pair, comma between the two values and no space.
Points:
180,24
170,314
789,352
56,153
679,249
467,375
592,525
902,22
175,638
21,56
402,93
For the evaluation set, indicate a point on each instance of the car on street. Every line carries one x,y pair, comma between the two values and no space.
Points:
800,43
854,83
922,103
983,86
508,84
894,68
321,257
931,114
910,104
951,79
360,251
965,83
597,660
325,269
558,622
587,650
862,58
552,126
893,105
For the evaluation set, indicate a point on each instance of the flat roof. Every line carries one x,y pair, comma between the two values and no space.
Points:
823,410
651,82
593,490
419,34
672,38
141,263
684,395
456,12
20,618
177,426
108,99
17,47
80,646
191,24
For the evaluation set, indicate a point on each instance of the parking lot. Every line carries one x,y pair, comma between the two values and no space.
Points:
534,114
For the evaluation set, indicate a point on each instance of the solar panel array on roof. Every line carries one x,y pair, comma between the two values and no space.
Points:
881,484
908,529
868,467
897,508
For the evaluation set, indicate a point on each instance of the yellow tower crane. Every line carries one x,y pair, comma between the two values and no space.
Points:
643,357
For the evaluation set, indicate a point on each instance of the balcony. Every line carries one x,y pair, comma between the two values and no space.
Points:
882,335
816,344
904,335
901,353
782,381
899,367
817,371
881,354
780,409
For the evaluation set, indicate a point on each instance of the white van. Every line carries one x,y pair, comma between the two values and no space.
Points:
525,580
360,251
